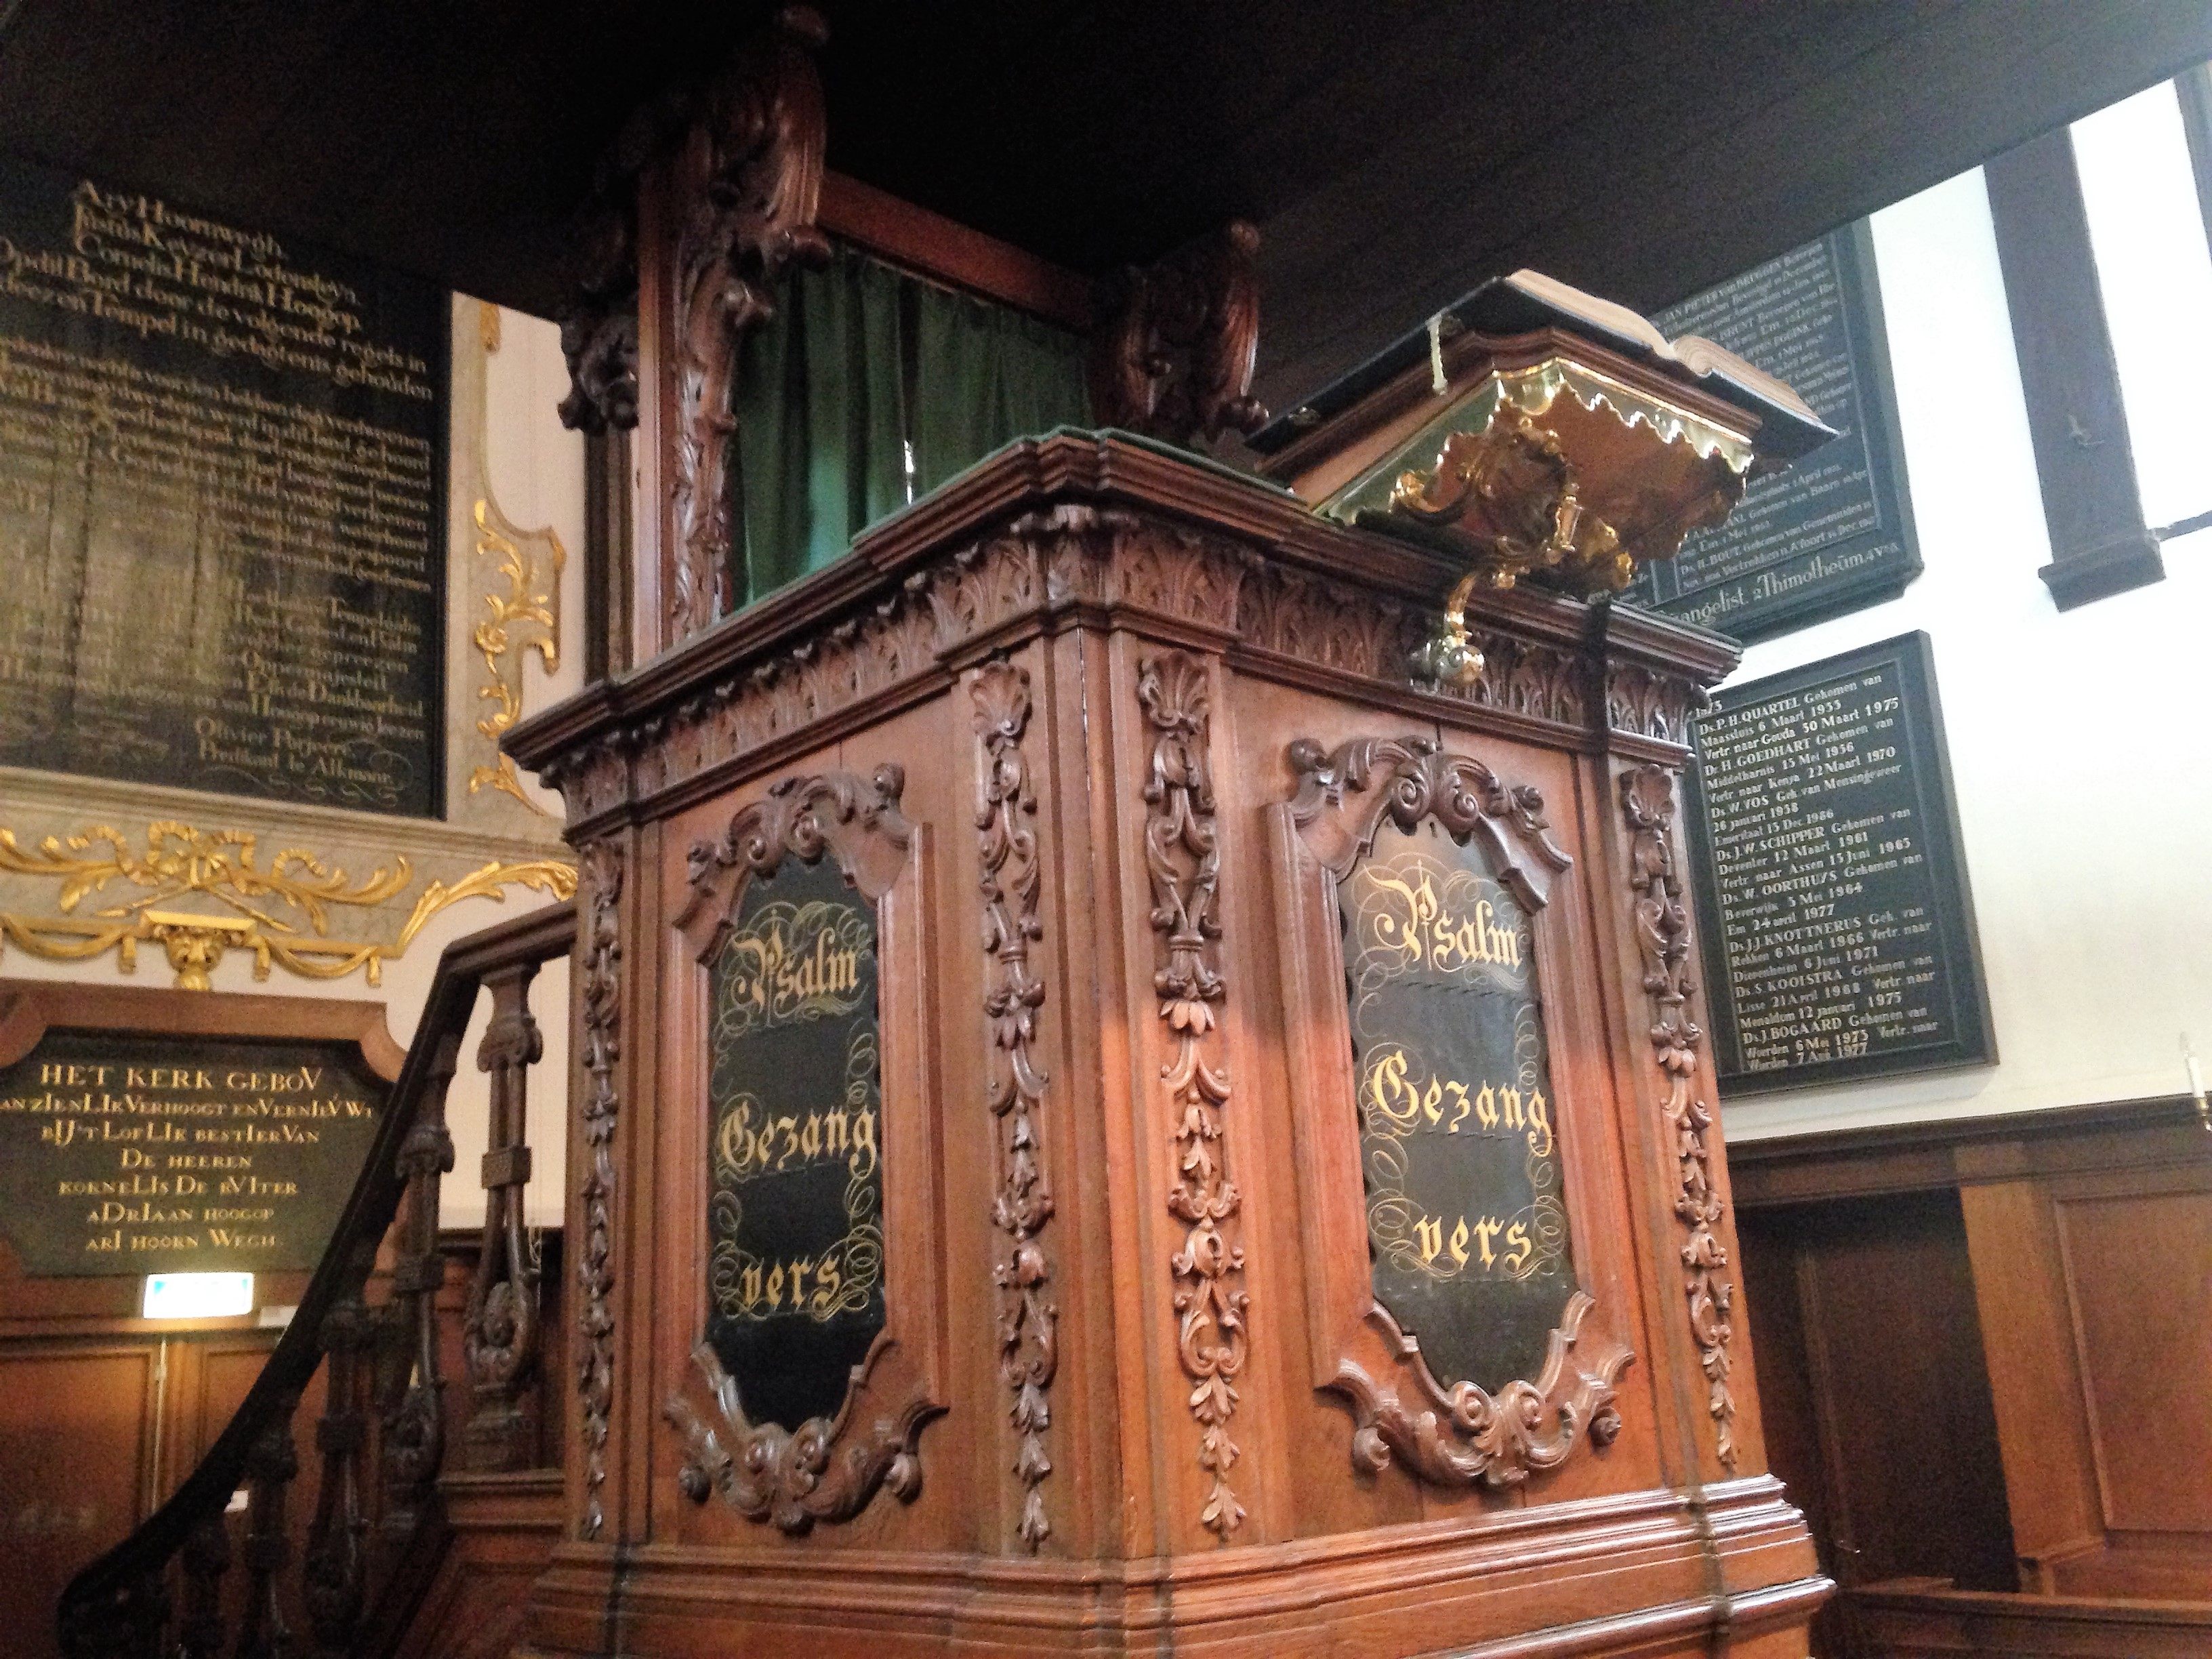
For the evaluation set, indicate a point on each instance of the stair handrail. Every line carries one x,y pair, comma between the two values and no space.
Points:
117,1604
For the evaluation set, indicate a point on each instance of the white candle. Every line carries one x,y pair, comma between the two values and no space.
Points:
2195,1077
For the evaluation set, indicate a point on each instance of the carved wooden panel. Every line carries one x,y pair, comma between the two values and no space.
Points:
1420,955
819,1290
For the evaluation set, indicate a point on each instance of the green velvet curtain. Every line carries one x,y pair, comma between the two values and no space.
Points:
860,361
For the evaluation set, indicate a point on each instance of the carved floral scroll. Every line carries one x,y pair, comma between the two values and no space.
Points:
601,948
1029,1322
828,1468
1182,857
1662,938
1445,1430
752,177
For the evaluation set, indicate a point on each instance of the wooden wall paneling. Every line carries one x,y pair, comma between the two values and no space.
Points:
1774,1312
76,1453
2138,1272
1915,1619
2050,1477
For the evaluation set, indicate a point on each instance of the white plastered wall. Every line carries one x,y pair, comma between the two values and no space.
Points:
2080,743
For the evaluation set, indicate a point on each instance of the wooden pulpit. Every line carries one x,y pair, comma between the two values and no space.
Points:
1114,1119
1139,1087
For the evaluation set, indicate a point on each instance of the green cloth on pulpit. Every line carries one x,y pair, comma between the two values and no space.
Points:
860,362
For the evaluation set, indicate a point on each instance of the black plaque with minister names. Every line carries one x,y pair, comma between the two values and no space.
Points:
1834,532
1838,928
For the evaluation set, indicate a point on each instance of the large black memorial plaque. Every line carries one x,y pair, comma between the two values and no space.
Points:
1834,532
124,1153
1467,1228
794,1218
222,475
1839,930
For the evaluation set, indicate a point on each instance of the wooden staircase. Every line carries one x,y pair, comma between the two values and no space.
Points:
421,1509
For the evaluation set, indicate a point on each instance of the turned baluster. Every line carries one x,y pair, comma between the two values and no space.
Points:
271,1467
499,1338
206,1559
335,1572
414,1421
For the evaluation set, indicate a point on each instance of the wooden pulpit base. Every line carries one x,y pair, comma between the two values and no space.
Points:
1064,1316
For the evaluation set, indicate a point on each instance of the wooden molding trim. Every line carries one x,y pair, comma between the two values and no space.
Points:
941,249
28,1007
2160,1132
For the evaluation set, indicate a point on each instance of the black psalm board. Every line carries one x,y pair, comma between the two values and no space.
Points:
124,1153
1834,532
1839,930
223,477
1467,1228
794,1211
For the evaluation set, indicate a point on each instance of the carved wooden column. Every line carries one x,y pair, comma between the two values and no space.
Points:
694,219
270,1468
334,1576
499,1331
206,1559
414,1437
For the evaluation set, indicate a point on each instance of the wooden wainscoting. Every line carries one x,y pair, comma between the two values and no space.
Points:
1984,1355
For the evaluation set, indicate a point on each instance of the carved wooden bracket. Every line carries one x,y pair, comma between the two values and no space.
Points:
829,1468
746,185
1662,938
1454,1434
1171,353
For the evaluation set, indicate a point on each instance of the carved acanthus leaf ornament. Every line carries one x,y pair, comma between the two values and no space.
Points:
752,169
1182,856
601,948
1028,1323
280,911
1662,938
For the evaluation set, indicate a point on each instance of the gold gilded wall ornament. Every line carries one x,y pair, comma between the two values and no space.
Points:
280,911
1182,856
524,619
